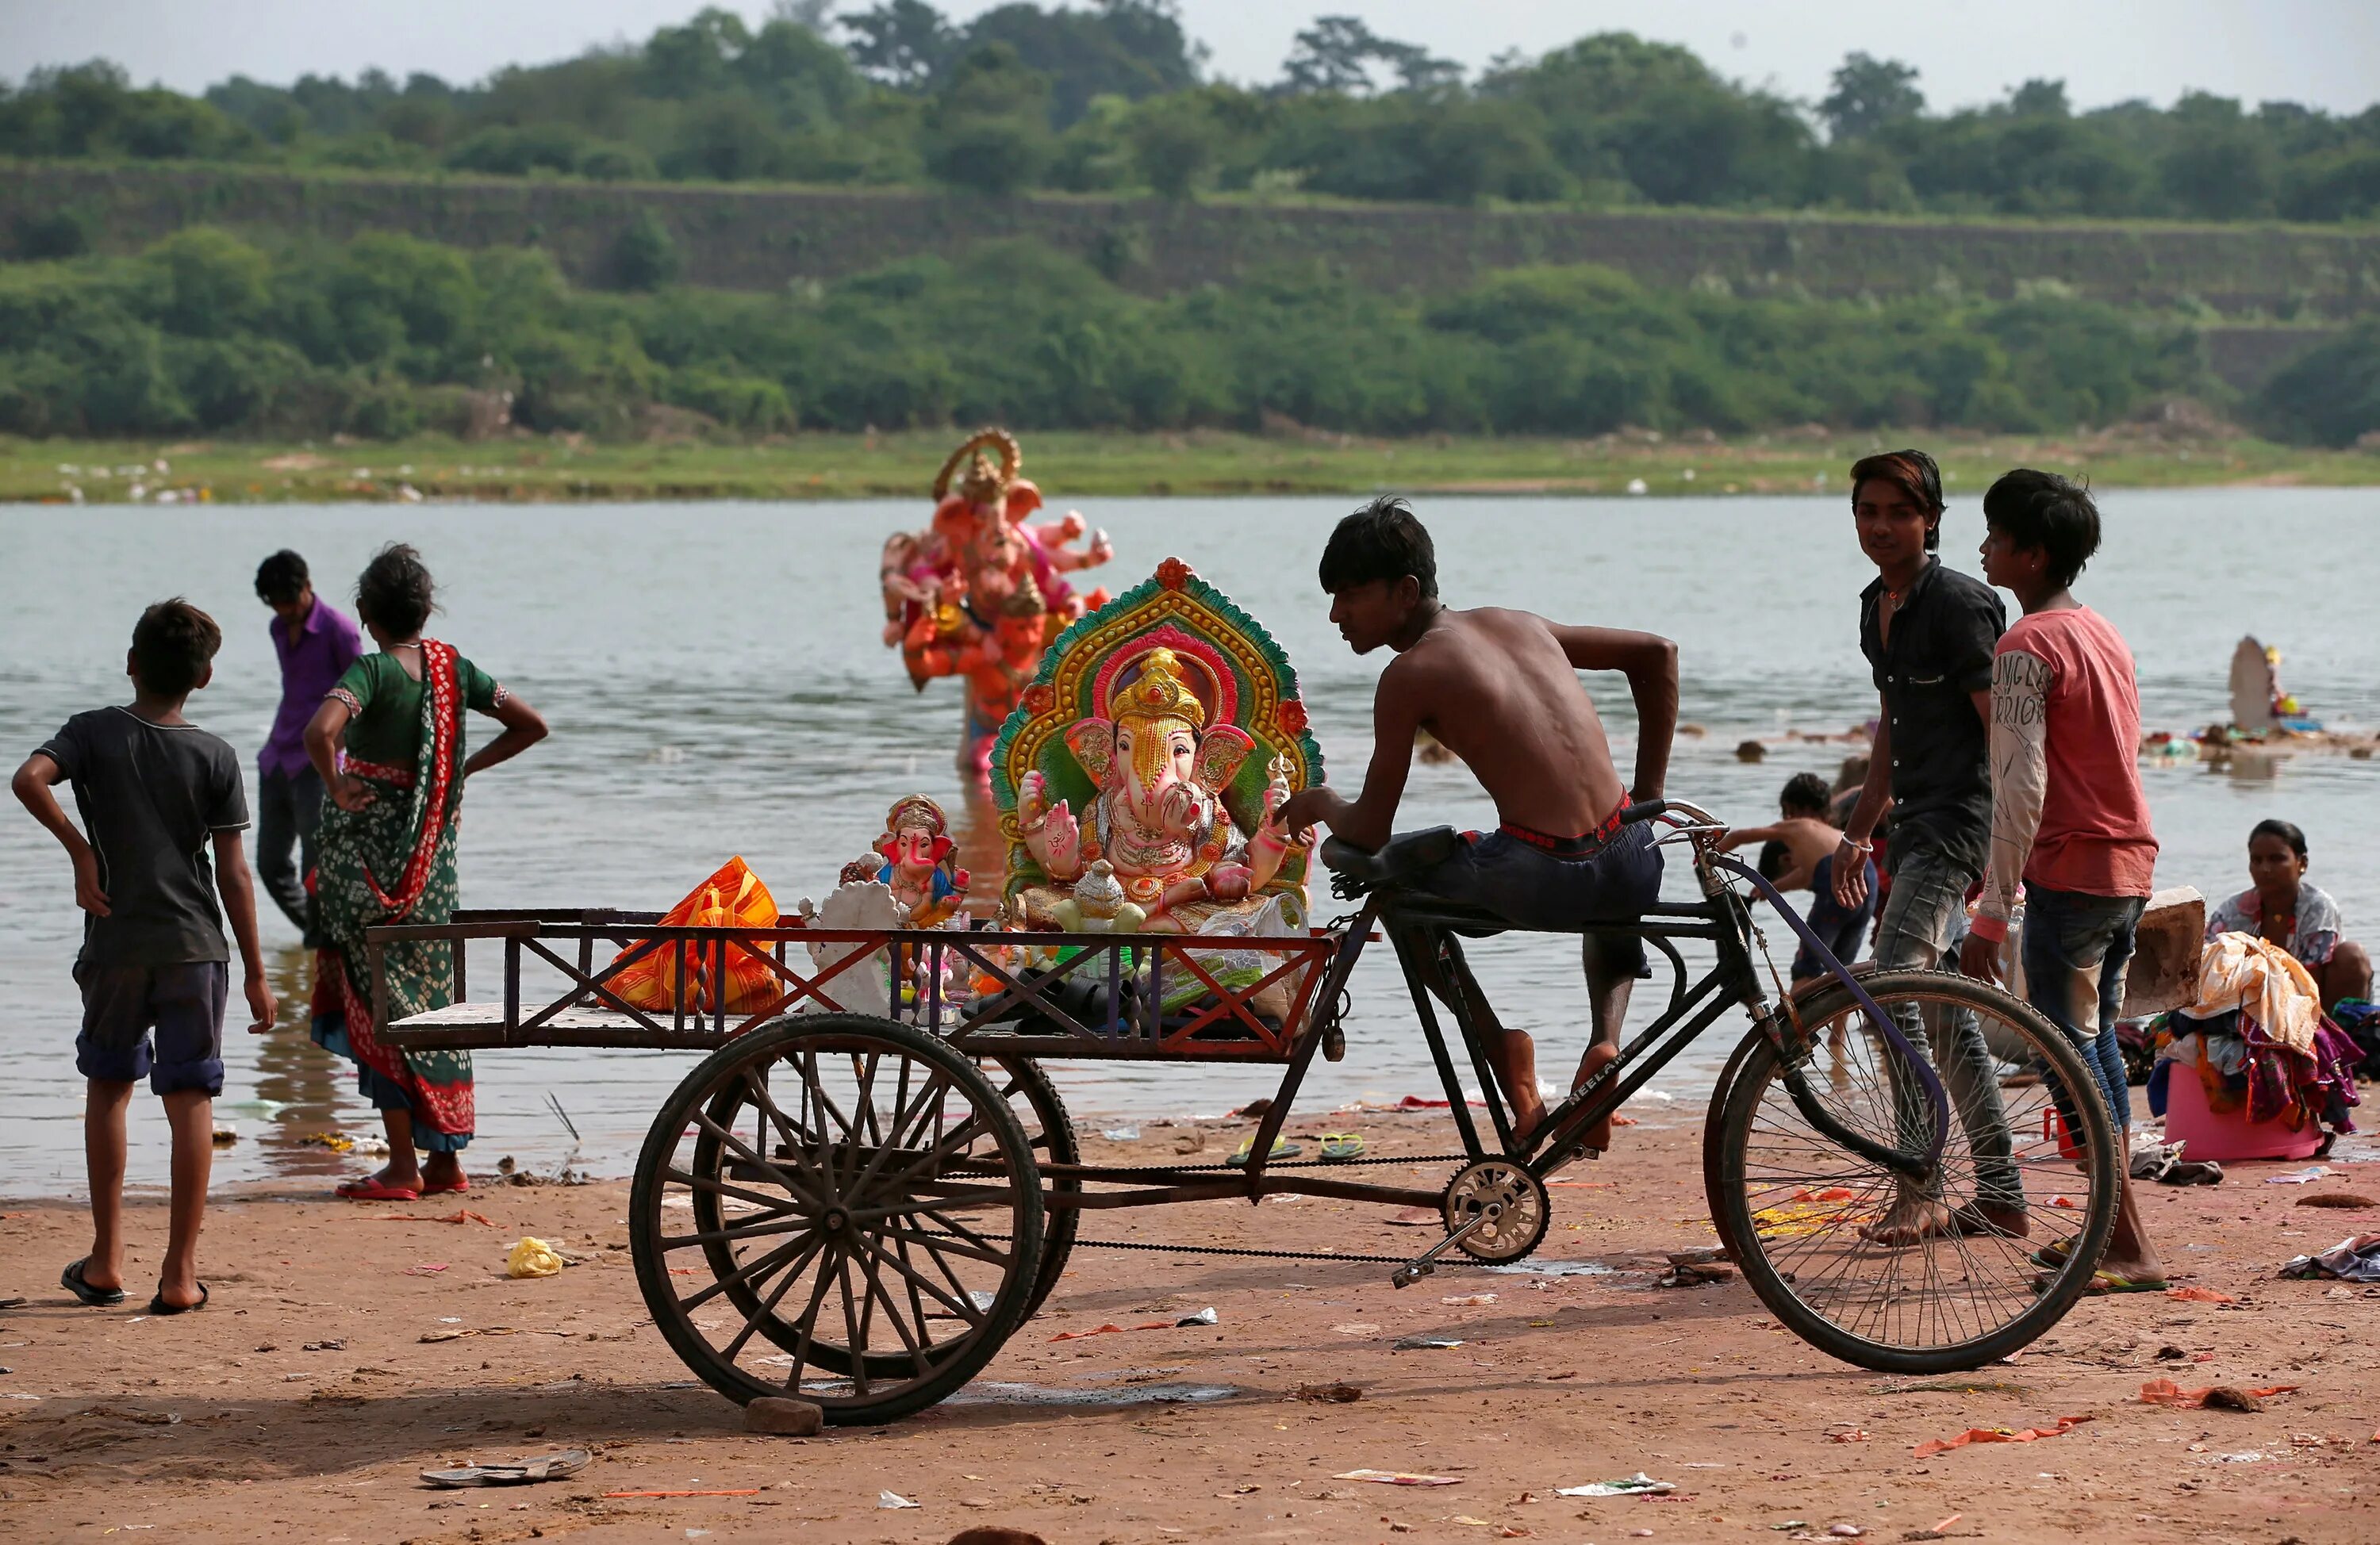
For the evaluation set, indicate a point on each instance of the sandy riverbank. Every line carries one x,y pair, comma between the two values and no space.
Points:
301,1404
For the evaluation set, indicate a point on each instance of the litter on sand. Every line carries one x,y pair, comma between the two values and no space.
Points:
2354,1259
532,1258
519,1472
1467,1299
1933,1446
1398,1478
1121,1134
2165,1392
2305,1176
894,1499
1637,1485
1204,1317
1424,1344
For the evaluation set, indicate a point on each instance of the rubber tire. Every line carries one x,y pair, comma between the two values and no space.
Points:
1714,1124
1059,1225
1761,1064
767,1042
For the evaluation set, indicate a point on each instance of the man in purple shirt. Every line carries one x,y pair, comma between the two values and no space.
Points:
315,643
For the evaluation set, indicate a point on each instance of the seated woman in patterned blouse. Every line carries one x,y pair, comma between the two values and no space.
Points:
2281,907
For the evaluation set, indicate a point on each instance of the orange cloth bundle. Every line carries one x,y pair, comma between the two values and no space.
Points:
733,897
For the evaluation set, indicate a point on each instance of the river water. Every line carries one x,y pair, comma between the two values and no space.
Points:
716,685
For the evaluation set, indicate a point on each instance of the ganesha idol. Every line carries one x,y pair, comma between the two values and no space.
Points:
1149,753
979,593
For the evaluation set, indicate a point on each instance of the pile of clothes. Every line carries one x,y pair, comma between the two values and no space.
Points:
2257,1040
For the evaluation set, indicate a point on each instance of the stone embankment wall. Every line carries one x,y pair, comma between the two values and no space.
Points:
2256,276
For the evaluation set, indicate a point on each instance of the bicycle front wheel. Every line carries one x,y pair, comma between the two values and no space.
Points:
1909,1275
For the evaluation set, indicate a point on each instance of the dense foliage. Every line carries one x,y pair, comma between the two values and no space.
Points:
1112,99
2330,395
388,335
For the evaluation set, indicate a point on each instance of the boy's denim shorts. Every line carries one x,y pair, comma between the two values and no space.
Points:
1531,888
184,1004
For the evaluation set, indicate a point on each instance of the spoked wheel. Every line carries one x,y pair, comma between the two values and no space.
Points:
839,1208
1910,1275
1051,1132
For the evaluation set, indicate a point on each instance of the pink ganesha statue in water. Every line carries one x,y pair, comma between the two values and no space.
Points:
1158,738
979,592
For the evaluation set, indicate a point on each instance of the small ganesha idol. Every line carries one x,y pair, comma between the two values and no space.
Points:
1149,754
919,864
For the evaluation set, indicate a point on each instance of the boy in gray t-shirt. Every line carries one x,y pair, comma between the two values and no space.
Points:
154,790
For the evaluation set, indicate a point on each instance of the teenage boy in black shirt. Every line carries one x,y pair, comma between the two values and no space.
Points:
1928,633
154,790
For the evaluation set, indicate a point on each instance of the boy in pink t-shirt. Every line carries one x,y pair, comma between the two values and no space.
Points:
2069,815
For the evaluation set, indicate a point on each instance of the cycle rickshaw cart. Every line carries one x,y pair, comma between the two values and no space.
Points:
860,1208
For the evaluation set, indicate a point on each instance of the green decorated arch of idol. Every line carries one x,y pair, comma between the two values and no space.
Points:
1178,632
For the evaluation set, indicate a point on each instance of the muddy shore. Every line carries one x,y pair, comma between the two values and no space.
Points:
327,1371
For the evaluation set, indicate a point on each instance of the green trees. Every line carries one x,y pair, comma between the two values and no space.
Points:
387,335
987,129
644,255
2332,395
1110,99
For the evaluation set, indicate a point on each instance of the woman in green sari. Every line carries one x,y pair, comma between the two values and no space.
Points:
388,742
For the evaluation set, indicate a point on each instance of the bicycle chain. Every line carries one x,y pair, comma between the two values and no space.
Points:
1148,1248
1304,1163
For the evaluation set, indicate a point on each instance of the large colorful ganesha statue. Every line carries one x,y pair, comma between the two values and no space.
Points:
979,593
1150,751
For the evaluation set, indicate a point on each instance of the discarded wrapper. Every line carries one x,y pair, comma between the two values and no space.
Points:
1398,1478
894,1499
1637,1485
532,1258
1933,1446
519,1472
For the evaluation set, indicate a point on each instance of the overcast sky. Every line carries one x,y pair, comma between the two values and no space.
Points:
2324,52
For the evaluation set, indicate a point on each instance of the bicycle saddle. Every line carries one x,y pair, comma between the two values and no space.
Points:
1400,859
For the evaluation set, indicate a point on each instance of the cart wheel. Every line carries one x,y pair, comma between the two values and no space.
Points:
1714,1130
1908,1276
1514,1201
864,1204
1050,1131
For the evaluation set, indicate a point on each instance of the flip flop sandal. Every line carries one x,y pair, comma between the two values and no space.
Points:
1337,1148
1282,1149
457,1189
2050,1257
546,1466
157,1304
95,1297
369,1189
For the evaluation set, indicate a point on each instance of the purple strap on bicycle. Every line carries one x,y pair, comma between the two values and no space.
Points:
1842,974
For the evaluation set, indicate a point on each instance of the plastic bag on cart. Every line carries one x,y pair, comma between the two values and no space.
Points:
1237,970
730,898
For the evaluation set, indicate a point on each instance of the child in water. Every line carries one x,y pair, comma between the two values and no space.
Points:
1808,843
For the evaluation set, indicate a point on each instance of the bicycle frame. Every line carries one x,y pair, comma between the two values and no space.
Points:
1422,931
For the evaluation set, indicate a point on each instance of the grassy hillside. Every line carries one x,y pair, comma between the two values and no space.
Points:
768,238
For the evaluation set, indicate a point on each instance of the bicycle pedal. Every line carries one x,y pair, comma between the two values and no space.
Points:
1411,1271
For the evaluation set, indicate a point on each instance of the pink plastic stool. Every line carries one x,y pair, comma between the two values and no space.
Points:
2226,1137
